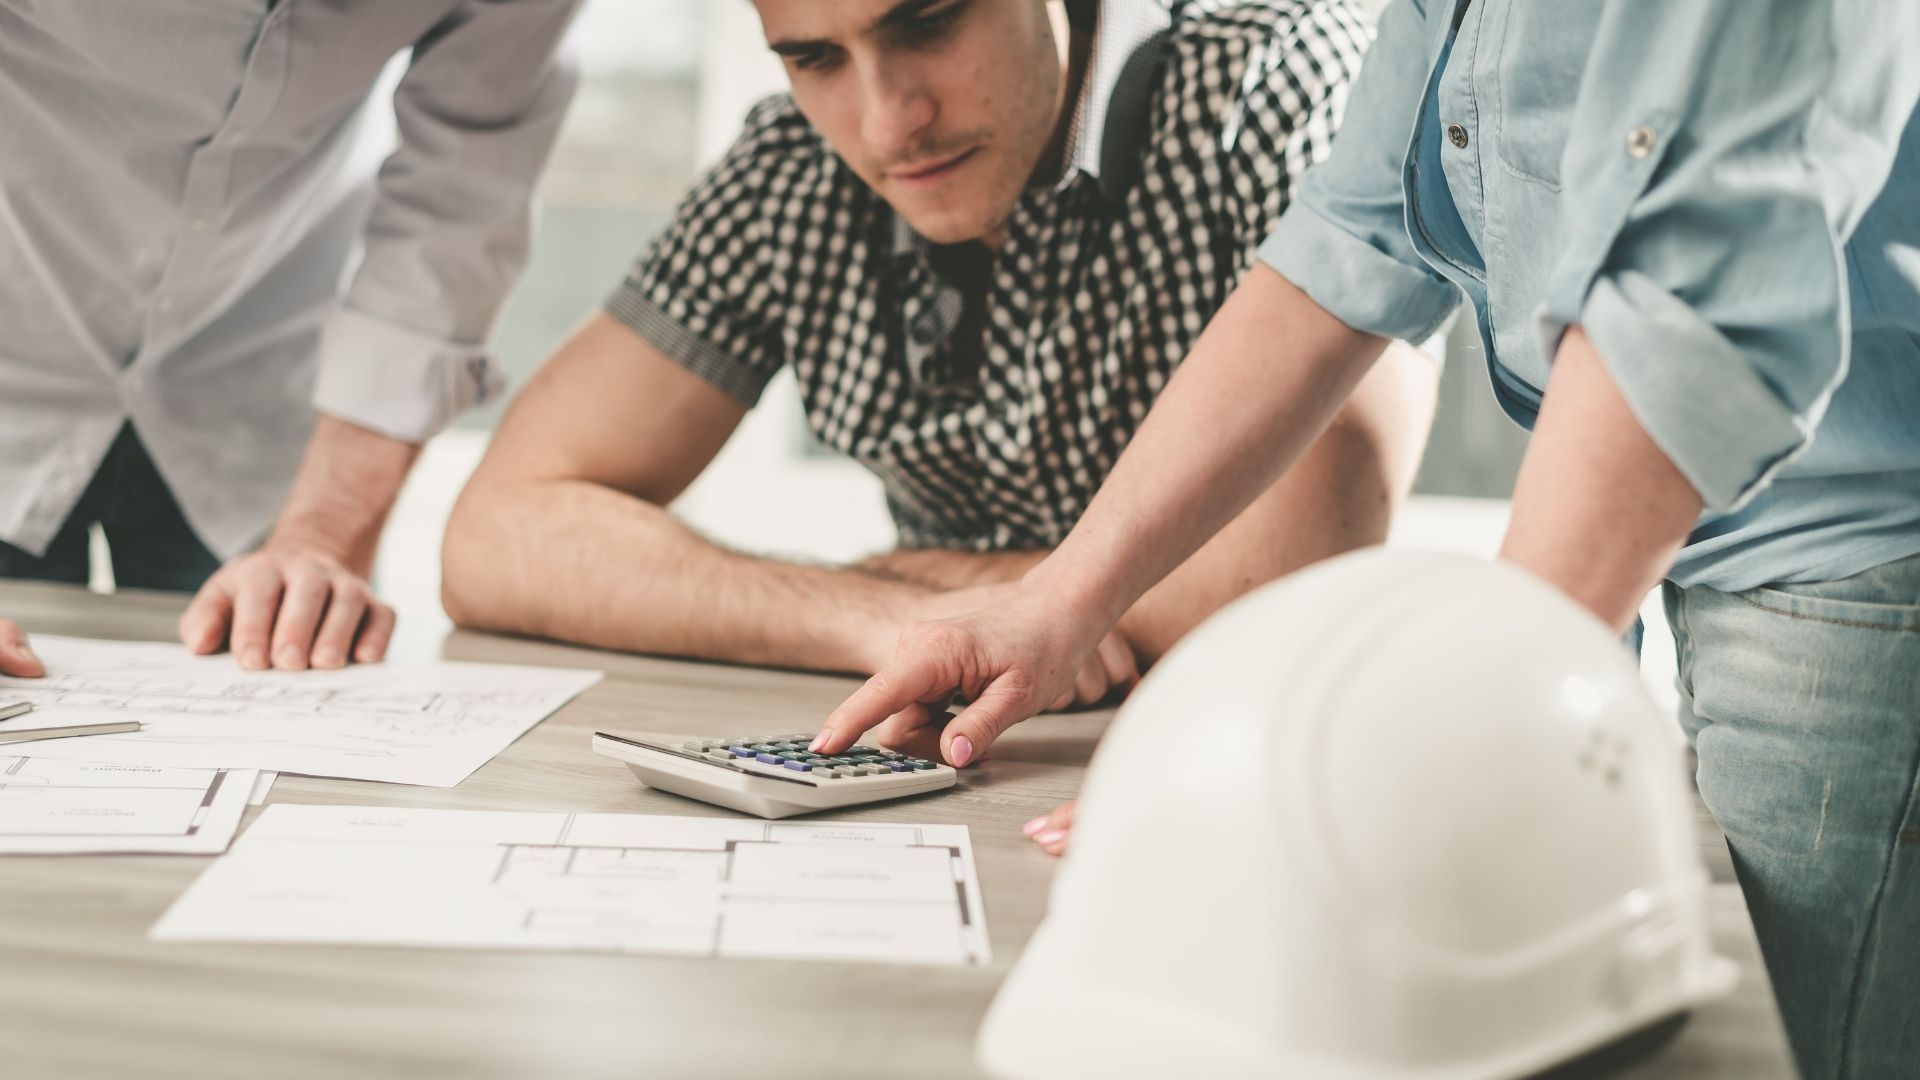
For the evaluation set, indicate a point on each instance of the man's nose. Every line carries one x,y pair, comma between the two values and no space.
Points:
897,109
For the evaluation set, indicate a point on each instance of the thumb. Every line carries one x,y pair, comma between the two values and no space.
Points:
1005,702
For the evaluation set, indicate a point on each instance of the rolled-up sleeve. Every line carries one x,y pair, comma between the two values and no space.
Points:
1344,240
1719,154
477,111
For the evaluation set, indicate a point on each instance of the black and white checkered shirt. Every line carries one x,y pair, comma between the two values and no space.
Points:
783,256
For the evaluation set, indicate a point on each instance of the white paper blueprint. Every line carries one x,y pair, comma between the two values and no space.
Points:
430,724
50,807
725,887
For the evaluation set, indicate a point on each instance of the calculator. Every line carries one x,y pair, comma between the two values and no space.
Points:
771,776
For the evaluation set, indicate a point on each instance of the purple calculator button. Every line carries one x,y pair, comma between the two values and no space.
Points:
741,751
771,759
898,766
799,766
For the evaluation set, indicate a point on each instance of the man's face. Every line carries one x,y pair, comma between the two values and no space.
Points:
944,107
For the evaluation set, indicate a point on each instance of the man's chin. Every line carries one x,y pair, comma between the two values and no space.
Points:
948,226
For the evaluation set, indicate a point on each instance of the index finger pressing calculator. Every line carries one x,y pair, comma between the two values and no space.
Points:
772,776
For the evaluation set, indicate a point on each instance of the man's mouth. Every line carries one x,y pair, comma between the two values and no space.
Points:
932,172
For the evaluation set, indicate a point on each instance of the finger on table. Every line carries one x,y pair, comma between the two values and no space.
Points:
17,657
302,605
346,613
203,626
1050,829
376,635
256,602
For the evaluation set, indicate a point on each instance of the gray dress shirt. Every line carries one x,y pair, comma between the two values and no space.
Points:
193,238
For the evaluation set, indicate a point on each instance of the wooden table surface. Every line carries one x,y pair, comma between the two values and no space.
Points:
83,993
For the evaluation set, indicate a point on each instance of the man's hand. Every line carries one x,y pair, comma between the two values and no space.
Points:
1113,666
302,600
16,657
1009,661
289,606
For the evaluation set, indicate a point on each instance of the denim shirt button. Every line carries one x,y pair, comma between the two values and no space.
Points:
1457,135
1641,141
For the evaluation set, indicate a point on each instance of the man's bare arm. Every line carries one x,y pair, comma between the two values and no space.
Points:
563,531
1599,509
302,599
1339,497
1266,378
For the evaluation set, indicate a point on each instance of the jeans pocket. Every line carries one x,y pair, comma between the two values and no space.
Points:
1886,597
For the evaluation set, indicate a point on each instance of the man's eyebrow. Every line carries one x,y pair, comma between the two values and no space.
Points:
902,12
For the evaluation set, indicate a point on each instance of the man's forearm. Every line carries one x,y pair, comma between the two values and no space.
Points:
1339,497
578,561
346,486
1599,509
1265,379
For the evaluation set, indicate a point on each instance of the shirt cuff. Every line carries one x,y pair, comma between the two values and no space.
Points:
1362,286
1702,402
397,381
726,372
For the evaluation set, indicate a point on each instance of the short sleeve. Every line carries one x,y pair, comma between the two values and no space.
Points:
700,292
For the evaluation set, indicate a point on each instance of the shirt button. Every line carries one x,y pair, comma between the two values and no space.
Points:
1457,135
1641,141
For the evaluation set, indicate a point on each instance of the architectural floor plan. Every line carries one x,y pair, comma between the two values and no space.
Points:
716,887
429,724
52,807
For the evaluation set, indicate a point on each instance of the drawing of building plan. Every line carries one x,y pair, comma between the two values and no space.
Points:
67,807
429,724
717,887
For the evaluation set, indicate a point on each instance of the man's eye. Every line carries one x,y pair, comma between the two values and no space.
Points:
813,59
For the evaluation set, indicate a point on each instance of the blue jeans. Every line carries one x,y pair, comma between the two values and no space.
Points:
152,545
1803,703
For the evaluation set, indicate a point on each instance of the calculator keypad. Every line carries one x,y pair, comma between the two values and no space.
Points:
789,754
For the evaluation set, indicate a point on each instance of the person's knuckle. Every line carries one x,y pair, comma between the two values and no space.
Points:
939,637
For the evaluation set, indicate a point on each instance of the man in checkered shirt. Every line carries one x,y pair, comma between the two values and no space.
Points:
981,233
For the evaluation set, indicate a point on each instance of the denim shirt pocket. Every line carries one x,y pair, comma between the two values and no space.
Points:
1594,212
1538,64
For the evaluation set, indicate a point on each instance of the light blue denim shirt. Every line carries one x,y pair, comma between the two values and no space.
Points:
1705,188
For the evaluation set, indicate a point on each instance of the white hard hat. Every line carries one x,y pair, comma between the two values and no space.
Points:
1399,815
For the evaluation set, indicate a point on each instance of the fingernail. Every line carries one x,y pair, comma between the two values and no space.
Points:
254,660
1035,825
962,751
26,652
327,660
818,741
1053,836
